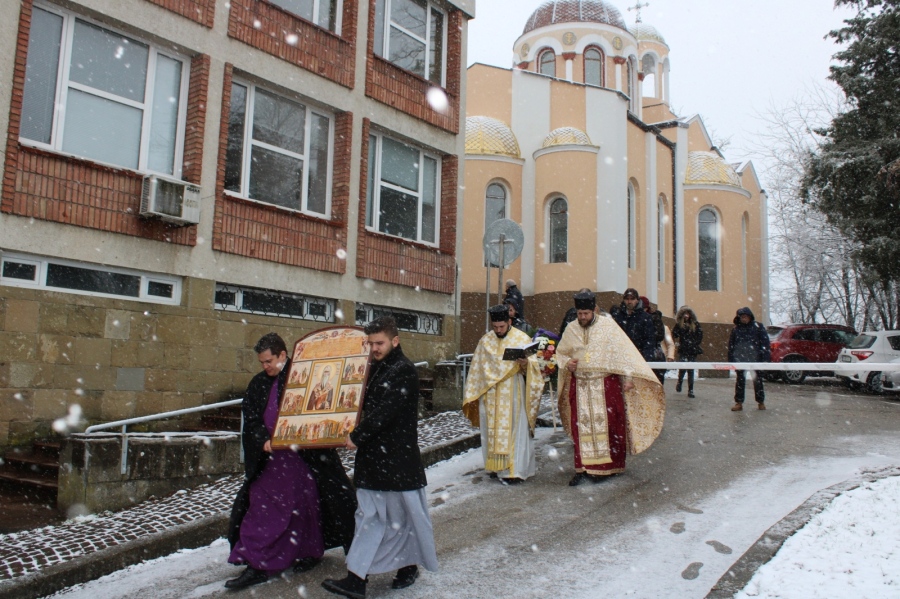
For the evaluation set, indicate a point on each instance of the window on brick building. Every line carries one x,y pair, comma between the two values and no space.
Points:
324,13
412,35
403,191
279,151
97,94
559,231
269,302
407,320
81,278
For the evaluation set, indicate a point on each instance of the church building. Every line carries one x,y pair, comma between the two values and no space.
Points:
578,143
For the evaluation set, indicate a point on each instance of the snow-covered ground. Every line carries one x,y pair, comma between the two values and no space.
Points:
681,552
851,549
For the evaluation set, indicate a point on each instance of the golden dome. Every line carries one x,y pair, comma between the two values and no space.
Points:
487,136
566,136
647,33
708,168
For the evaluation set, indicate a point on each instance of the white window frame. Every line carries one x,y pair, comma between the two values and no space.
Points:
338,18
386,42
540,61
378,184
371,311
661,238
238,305
602,61
548,218
249,142
43,264
719,227
63,84
631,216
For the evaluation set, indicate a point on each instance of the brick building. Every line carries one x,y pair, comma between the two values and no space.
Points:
183,176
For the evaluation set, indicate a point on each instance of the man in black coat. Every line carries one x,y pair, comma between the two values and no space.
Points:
636,323
515,297
337,498
749,342
393,527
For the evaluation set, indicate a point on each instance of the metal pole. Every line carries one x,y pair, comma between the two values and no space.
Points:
124,457
487,291
500,269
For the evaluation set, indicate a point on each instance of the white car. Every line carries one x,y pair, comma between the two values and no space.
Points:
872,347
891,379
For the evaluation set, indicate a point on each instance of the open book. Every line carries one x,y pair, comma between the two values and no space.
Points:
514,353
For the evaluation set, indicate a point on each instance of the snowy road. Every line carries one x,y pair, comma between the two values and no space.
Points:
670,527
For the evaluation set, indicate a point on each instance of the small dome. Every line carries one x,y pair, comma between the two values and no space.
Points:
647,33
565,136
708,168
574,11
487,136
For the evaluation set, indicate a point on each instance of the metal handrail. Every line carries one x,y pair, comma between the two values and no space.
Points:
161,416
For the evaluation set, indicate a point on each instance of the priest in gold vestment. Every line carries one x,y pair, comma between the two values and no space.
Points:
610,402
502,399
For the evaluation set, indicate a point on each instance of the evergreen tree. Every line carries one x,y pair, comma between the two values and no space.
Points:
854,178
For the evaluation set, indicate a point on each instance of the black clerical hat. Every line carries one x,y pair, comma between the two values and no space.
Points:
499,313
585,300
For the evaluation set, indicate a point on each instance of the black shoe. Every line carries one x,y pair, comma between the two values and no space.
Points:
352,586
248,578
678,387
511,481
691,394
306,564
578,479
405,577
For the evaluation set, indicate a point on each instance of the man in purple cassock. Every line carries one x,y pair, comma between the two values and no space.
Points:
293,505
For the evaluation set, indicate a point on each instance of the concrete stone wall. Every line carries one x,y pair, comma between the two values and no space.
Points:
90,476
120,359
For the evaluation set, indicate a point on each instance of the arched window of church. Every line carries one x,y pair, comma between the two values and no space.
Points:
559,231
632,228
547,63
494,204
745,224
708,249
661,219
648,68
593,66
664,82
631,77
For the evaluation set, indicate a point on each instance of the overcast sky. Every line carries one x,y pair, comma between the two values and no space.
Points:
729,60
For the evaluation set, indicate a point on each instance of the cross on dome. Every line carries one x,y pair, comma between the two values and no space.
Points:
637,8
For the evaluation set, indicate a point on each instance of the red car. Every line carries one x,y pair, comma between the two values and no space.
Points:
807,343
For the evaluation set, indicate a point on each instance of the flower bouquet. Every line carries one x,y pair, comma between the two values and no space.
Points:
546,353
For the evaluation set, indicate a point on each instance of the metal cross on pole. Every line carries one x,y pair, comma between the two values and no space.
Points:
502,243
637,8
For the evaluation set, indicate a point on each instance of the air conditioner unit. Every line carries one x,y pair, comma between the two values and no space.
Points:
172,201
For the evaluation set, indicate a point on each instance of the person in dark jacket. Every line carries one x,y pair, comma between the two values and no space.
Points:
517,321
393,527
659,336
292,506
636,323
515,296
688,336
749,342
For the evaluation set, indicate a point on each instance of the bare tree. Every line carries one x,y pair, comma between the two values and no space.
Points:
814,276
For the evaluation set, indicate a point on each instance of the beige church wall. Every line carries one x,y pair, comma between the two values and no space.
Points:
720,306
567,106
656,111
573,175
480,174
697,141
637,167
489,92
665,289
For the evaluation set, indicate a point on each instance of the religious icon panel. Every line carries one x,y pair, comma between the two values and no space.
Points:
320,405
